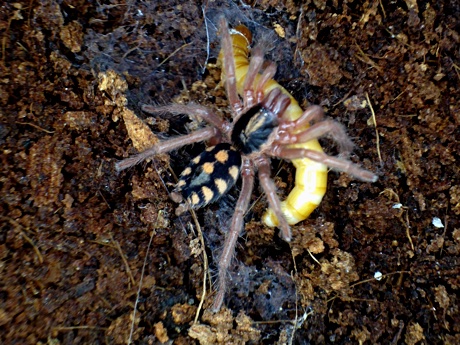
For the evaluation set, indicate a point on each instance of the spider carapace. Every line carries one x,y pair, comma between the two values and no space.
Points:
266,122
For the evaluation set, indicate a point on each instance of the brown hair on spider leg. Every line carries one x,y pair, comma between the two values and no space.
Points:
247,176
167,146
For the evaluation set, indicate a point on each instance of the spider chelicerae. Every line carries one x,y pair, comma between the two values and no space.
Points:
259,130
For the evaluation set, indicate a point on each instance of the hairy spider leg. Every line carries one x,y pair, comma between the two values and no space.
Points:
267,75
167,146
229,68
287,133
255,65
312,114
263,165
277,102
236,227
330,127
255,82
192,110
333,162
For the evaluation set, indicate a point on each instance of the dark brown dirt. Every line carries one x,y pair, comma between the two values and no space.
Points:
74,233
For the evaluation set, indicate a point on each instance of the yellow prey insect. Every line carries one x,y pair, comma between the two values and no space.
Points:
311,176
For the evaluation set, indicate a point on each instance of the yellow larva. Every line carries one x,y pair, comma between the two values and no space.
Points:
310,177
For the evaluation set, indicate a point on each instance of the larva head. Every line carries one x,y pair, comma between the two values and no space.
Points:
209,175
244,31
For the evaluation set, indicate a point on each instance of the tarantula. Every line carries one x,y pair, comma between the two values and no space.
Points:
259,130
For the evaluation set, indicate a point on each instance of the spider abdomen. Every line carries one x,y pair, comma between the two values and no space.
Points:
210,175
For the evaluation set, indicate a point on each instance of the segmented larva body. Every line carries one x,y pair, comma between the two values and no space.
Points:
311,177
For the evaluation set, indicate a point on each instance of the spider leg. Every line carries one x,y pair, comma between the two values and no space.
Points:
168,145
269,188
331,127
267,75
276,101
229,68
257,59
312,113
340,164
247,176
193,110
